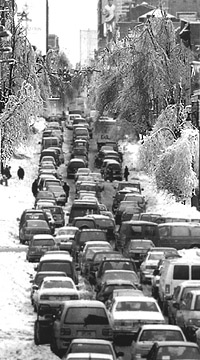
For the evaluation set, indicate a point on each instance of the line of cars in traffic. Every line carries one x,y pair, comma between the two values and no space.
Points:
117,308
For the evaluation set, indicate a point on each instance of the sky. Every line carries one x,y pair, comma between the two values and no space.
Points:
66,19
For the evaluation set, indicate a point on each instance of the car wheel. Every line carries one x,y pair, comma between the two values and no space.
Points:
36,333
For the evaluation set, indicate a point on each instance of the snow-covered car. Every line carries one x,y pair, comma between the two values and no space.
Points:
148,334
37,281
80,319
39,245
128,313
149,264
54,290
98,346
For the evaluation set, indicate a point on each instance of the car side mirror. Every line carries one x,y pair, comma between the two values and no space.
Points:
119,354
35,287
36,267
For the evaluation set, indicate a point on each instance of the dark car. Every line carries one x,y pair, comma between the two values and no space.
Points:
174,350
98,256
120,195
58,215
137,230
119,263
105,223
33,227
51,152
39,245
137,250
110,285
32,214
115,168
82,208
84,235
73,166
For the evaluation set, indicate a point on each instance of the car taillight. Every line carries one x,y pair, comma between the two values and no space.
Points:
65,331
107,332
167,289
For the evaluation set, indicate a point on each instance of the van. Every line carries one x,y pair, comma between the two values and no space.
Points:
56,261
48,142
82,208
175,271
180,235
130,230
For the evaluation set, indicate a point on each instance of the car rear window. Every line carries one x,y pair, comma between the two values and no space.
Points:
91,348
56,266
89,236
161,335
86,316
41,242
181,272
37,223
35,216
58,284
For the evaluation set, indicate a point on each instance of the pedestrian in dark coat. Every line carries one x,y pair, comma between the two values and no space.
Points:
66,189
35,187
6,172
20,173
126,173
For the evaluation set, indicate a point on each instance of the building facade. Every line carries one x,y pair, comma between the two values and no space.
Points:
88,45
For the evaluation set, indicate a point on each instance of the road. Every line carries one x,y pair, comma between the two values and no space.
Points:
16,312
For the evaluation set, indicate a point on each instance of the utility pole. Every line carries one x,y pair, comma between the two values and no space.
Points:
47,24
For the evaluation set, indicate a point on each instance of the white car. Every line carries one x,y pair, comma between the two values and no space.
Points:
99,346
149,264
54,290
68,231
128,313
148,334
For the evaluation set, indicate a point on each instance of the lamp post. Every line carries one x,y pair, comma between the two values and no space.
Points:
47,24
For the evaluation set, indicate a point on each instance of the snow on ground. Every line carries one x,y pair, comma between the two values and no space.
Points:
16,313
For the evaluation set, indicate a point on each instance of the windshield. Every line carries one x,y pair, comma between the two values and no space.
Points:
86,316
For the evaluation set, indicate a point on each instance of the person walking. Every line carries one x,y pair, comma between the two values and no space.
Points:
20,173
126,173
7,172
35,187
66,189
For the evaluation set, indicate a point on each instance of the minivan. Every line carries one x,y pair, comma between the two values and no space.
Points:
82,208
80,319
58,261
173,272
180,235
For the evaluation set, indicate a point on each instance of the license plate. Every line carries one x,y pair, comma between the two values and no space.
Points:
85,333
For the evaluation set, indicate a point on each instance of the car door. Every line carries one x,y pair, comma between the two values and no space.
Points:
182,313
